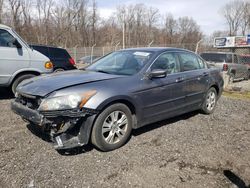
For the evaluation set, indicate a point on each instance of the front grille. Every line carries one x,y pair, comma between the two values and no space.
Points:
31,102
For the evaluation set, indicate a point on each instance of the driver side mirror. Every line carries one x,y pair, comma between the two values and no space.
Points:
17,44
157,73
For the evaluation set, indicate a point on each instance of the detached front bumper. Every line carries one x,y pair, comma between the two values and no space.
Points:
67,128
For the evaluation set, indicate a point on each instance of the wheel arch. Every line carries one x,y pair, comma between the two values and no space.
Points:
216,87
123,100
23,73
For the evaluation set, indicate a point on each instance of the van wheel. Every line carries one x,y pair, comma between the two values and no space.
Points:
112,127
210,101
19,79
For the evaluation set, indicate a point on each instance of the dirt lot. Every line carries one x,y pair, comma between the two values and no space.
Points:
193,150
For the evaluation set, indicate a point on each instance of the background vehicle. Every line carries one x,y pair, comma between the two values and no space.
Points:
58,56
245,59
228,62
122,91
18,61
88,59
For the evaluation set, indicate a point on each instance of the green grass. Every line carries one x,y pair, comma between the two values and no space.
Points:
237,95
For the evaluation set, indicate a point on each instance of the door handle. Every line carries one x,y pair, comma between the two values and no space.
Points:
180,79
205,74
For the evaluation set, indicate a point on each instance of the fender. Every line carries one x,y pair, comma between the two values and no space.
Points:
28,70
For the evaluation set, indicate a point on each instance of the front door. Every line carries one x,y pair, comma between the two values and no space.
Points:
162,97
12,59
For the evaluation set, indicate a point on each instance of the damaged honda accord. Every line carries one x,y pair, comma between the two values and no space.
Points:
123,90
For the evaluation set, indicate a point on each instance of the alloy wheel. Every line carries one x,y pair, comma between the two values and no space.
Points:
211,100
114,127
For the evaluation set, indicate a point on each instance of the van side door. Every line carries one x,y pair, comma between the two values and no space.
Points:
12,58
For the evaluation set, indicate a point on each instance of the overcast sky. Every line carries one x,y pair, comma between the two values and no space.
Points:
205,12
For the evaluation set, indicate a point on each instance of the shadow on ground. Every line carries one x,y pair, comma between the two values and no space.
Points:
6,94
37,131
235,179
166,122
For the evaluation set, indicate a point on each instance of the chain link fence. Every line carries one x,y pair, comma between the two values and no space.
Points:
79,52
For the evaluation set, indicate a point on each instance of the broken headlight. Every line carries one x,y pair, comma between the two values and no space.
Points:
66,102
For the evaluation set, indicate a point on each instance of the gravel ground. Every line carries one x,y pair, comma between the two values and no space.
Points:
193,150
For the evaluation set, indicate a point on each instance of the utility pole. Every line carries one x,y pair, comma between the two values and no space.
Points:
123,31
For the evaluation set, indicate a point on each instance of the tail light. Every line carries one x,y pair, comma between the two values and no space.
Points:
72,61
225,67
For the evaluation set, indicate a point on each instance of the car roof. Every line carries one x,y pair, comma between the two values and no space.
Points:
155,49
218,53
4,26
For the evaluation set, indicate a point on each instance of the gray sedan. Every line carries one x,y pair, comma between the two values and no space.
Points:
124,90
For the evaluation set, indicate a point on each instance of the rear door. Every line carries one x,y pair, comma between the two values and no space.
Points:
196,78
163,97
12,59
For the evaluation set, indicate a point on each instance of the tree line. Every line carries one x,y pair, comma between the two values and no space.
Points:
78,23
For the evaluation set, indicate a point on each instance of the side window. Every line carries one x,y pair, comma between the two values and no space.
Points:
235,59
6,39
229,58
58,53
201,63
166,61
188,61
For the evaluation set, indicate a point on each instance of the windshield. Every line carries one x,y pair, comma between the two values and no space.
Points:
121,62
216,57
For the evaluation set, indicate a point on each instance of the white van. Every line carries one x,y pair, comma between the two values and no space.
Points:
18,61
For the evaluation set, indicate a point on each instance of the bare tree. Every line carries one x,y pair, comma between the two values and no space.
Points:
170,28
1,10
233,14
152,19
15,10
245,21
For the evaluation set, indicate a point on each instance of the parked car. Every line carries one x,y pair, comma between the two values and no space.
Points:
228,62
18,61
88,59
124,90
58,56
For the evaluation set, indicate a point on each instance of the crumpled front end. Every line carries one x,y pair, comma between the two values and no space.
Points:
67,128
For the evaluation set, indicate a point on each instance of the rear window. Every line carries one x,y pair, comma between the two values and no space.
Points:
217,58
58,53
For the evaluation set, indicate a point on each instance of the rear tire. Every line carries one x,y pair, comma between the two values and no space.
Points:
112,127
210,101
19,79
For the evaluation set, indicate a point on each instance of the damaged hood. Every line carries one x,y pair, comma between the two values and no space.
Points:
43,85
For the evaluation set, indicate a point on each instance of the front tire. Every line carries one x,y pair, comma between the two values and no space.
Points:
112,127
210,101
